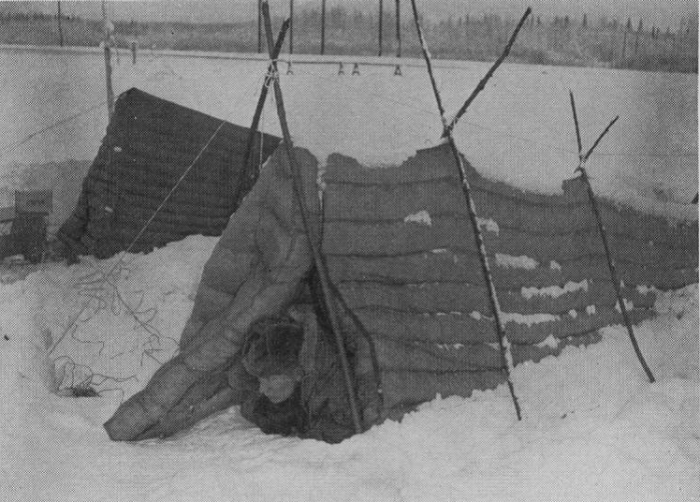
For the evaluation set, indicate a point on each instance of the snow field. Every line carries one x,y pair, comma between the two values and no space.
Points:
519,130
593,428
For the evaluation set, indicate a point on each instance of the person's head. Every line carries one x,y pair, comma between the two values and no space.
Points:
271,354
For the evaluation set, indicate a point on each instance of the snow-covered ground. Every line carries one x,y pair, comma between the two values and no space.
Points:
593,430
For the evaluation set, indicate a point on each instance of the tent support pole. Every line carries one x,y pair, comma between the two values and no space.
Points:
310,228
250,172
482,83
503,343
603,235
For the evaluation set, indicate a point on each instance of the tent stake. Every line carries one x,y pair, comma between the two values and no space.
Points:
503,343
250,173
603,235
482,83
320,265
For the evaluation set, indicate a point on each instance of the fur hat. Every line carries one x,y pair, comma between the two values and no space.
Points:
272,347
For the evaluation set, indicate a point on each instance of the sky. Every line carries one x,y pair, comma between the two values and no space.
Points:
659,12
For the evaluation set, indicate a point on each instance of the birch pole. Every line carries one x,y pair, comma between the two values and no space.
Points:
482,83
503,343
311,228
603,235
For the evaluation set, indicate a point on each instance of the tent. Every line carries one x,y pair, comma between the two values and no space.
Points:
150,143
403,264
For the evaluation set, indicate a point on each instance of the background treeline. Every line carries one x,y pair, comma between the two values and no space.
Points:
553,40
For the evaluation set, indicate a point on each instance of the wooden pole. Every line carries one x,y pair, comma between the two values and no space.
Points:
323,27
311,230
603,235
503,343
381,24
291,27
482,84
249,169
108,61
60,28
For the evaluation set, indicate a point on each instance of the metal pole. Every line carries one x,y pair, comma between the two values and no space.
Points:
381,24
60,28
108,61
309,226
603,235
398,28
503,343
323,26
291,27
259,26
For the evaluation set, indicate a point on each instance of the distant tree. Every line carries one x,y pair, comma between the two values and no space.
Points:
629,24
614,24
566,20
640,26
584,23
539,21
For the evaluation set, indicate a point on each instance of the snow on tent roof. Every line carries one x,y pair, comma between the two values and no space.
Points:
415,306
150,143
